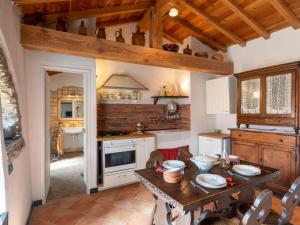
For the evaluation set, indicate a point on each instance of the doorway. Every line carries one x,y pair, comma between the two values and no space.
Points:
65,139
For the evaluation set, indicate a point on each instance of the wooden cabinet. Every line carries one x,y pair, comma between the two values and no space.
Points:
276,150
269,96
246,151
220,95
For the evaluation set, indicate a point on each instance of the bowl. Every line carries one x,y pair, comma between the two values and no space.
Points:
204,163
171,47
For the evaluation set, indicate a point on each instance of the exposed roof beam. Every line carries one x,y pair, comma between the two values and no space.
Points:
105,11
49,40
171,38
156,28
118,21
286,13
164,6
198,33
204,15
247,18
29,2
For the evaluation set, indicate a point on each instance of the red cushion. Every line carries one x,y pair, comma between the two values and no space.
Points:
171,153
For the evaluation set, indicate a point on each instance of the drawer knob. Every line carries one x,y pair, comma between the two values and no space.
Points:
280,140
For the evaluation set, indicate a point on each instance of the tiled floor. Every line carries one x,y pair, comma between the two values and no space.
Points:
65,176
130,205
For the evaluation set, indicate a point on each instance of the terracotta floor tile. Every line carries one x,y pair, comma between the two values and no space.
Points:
130,205
39,222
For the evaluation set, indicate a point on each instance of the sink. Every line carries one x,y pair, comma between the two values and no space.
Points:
72,130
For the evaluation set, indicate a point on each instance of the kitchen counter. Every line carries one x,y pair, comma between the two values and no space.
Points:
215,135
129,136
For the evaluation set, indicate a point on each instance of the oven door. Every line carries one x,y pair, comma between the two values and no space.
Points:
116,160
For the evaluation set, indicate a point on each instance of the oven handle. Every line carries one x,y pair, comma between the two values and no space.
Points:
119,150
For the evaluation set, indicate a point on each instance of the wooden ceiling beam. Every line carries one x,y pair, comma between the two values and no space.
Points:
198,33
31,2
205,16
286,13
99,12
112,23
164,6
247,18
156,27
49,40
171,38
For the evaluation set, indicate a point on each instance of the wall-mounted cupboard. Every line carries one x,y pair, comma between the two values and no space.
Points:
221,95
269,96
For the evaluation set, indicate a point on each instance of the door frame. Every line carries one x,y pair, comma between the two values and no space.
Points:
89,121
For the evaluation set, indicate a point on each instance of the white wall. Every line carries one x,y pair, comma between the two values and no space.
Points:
64,80
282,47
35,62
18,184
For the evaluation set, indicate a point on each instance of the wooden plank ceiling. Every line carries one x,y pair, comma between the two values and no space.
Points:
217,23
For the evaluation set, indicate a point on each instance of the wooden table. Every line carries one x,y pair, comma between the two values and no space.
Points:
187,198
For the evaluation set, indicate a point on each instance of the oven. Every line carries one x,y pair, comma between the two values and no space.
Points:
119,155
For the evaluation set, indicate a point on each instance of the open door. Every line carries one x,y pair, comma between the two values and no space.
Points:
47,142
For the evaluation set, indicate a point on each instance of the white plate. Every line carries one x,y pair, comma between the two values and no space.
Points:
211,180
247,170
172,164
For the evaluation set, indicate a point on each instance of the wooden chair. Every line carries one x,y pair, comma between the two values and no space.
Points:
256,215
288,203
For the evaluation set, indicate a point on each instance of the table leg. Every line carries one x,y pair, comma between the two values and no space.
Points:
247,195
163,213
185,219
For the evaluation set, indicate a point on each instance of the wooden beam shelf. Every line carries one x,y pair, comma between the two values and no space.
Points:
43,39
156,98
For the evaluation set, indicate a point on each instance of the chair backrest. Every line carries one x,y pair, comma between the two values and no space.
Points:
260,209
156,159
289,201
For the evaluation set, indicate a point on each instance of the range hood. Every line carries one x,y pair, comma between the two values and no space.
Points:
126,82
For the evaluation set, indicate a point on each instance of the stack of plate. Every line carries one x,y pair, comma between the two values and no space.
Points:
247,170
211,181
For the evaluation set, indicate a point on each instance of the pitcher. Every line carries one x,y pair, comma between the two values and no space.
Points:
119,37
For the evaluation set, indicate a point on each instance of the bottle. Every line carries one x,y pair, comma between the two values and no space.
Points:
225,160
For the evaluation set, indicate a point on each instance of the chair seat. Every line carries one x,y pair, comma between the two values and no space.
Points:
272,218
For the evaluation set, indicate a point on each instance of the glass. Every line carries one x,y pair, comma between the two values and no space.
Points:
279,94
250,95
119,159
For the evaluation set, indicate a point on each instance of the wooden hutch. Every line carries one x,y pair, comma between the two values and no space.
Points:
270,96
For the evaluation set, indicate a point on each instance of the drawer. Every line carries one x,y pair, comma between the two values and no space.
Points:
264,137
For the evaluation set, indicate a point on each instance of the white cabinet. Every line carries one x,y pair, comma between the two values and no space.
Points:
221,95
118,179
144,147
210,145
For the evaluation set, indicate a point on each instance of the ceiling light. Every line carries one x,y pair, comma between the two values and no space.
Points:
173,12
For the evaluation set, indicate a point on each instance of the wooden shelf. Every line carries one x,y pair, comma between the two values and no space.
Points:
156,98
49,40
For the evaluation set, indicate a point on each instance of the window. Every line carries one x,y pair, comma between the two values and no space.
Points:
11,118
